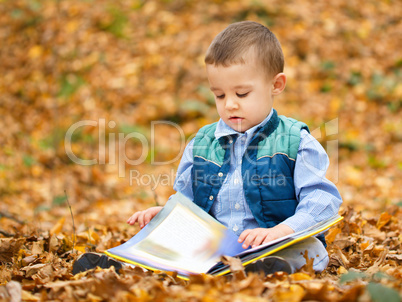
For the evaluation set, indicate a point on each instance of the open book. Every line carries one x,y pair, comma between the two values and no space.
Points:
184,238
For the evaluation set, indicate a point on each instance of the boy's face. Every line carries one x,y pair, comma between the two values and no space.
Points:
243,94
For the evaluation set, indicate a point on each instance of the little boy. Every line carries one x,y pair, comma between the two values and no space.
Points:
260,174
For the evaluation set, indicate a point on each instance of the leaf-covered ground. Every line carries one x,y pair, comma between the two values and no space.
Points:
124,64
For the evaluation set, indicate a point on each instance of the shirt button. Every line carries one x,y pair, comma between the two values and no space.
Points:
230,141
236,181
243,139
235,228
220,174
211,197
237,206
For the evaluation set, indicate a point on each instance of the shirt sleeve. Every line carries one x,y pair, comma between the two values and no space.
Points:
318,197
183,183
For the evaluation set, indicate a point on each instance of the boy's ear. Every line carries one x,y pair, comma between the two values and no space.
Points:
278,83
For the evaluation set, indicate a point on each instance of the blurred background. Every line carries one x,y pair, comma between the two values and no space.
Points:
124,64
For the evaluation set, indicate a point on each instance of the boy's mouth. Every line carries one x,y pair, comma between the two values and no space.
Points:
236,119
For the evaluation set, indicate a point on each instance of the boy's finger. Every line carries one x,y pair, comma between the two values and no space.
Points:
258,240
141,219
243,235
147,218
248,240
267,239
133,218
136,216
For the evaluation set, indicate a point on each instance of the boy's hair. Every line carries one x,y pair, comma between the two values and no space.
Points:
231,45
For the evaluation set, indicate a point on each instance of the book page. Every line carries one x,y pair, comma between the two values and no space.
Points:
181,237
182,240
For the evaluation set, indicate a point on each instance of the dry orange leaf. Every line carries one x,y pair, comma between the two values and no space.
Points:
384,219
294,293
58,226
27,296
37,247
9,248
364,245
332,234
300,277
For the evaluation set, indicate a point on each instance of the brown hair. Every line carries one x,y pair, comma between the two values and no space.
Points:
230,46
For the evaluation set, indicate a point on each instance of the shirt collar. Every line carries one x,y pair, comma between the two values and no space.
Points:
222,129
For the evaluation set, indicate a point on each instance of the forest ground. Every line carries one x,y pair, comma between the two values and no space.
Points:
122,65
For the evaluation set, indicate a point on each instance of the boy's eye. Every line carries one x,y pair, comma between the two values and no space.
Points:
220,96
242,95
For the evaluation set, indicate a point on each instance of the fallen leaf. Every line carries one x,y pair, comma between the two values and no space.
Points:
308,267
57,227
395,257
28,260
45,268
332,233
54,243
27,296
294,293
373,232
9,247
37,247
235,265
13,289
300,276
383,220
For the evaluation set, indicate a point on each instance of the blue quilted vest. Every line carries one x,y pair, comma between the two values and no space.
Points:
267,169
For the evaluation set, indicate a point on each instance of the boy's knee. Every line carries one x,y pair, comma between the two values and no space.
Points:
321,265
295,254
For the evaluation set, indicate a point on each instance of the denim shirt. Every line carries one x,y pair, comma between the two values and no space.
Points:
318,197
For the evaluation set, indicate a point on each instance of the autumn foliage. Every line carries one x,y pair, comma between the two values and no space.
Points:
126,64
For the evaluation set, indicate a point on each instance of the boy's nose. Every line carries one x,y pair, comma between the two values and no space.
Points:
230,104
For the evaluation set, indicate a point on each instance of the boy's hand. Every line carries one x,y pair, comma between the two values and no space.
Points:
258,236
143,217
